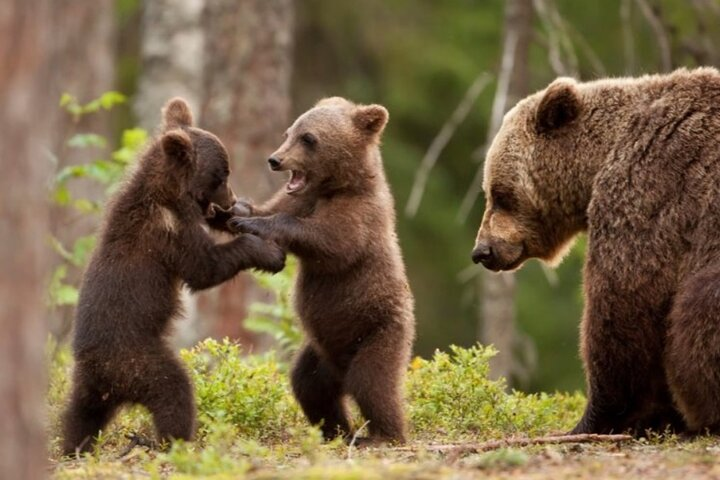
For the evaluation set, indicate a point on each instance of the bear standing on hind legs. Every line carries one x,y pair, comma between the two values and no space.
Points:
153,241
635,162
336,214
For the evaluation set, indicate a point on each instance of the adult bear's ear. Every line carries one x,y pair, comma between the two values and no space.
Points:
371,119
176,114
559,106
178,149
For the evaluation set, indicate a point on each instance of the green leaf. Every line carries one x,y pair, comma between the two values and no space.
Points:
60,249
104,171
85,140
71,171
66,295
262,325
61,195
134,138
83,205
132,141
82,248
110,99
66,99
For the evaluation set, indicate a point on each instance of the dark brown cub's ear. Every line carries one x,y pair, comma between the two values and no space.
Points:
371,119
559,106
178,149
176,114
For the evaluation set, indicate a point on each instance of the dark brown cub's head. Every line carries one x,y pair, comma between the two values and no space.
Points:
208,183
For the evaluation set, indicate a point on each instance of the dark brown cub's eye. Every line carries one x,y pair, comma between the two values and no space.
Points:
308,139
217,180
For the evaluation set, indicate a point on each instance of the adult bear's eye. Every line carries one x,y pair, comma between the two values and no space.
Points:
308,139
502,200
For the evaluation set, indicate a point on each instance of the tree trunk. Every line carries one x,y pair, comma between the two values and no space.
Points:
26,119
171,57
82,62
497,310
246,103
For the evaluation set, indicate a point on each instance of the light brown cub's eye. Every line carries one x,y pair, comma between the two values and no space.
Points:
308,139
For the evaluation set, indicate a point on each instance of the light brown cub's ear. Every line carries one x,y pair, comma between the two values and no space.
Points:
176,114
371,119
178,148
559,106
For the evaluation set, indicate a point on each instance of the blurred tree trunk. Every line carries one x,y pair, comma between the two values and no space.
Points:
171,64
171,56
246,103
26,119
497,309
82,60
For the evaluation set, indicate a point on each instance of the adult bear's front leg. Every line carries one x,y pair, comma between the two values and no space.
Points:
622,348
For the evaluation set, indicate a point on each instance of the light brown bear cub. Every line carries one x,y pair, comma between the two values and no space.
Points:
336,214
635,162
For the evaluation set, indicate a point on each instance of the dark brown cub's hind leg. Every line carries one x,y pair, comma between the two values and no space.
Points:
318,390
165,390
374,379
88,412
692,359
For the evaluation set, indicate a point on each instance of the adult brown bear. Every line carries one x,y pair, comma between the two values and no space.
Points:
635,162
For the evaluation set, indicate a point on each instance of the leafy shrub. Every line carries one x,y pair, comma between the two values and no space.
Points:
251,393
451,394
277,318
249,398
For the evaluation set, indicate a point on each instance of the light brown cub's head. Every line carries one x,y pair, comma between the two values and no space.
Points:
328,148
531,209
201,152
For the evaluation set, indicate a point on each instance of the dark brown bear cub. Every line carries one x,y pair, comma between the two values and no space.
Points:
153,241
336,214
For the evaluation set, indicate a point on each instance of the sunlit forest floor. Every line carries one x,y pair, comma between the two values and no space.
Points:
250,427
660,459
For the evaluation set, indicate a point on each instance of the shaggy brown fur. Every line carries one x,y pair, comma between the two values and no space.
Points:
635,163
336,214
153,241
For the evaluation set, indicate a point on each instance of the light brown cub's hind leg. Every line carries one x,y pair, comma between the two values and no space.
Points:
375,381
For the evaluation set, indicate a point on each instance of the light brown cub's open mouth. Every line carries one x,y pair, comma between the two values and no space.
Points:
297,181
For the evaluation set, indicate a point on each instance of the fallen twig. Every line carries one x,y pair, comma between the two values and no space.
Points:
464,449
136,441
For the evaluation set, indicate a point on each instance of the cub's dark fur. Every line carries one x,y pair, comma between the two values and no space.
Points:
152,243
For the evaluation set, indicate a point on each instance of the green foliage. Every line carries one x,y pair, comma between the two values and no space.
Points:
103,171
249,398
277,317
452,395
251,393
220,455
106,101
499,459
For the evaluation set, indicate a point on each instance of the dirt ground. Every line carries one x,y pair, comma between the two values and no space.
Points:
641,459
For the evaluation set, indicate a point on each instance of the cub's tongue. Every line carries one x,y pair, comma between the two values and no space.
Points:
296,182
